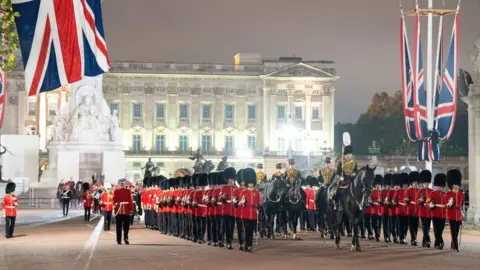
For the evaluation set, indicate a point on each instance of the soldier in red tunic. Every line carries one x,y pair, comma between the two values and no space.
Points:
423,210
396,183
211,222
385,207
122,208
401,195
375,205
106,201
238,210
412,207
311,206
437,203
249,202
218,208
200,207
87,201
227,193
455,201
9,209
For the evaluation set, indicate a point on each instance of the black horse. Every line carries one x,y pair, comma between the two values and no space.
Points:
324,210
352,199
294,204
271,192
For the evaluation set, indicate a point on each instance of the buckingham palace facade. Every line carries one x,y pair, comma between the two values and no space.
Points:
253,111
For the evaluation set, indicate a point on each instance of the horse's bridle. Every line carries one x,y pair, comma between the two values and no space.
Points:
362,203
268,197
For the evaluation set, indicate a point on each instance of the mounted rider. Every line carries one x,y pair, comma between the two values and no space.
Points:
261,176
278,172
327,173
293,175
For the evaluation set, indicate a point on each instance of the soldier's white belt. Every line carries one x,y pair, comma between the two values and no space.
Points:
412,202
9,207
402,204
439,205
123,203
376,203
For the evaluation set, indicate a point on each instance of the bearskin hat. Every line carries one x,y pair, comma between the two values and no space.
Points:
348,150
414,177
291,161
10,187
308,181
314,182
405,179
425,176
202,180
259,166
222,180
279,166
454,177
378,179
249,176
387,179
238,177
85,187
440,180
229,173
396,179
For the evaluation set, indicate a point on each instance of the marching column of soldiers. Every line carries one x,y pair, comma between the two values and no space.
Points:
204,207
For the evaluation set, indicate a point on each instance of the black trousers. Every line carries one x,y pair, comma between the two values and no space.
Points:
220,229
386,226
200,225
393,226
147,218
122,222
426,230
438,227
376,225
212,229
86,214
413,227
312,219
66,205
402,227
240,230
293,220
454,230
304,220
367,224
229,223
9,225
107,220
249,229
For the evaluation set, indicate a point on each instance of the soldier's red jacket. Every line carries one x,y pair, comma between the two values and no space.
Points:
218,207
10,203
423,210
250,207
400,195
376,202
122,201
229,191
210,208
454,212
385,207
106,201
201,210
391,197
310,197
189,198
439,202
87,199
237,212
412,205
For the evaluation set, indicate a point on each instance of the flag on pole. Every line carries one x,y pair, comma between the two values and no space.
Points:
62,41
407,82
428,151
447,95
420,98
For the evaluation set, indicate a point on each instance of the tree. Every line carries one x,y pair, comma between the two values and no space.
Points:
9,37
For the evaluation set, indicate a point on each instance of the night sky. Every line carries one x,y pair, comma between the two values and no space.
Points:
361,36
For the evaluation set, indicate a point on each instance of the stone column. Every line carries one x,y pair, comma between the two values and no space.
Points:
42,121
272,142
267,118
290,107
308,112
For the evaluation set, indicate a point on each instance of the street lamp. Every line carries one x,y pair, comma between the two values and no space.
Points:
325,149
374,151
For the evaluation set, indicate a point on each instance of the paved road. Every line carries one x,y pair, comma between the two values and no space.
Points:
73,244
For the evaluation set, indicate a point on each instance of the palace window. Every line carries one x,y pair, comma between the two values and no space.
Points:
206,142
160,143
160,110
183,111
280,112
52,107
137,110
229,112
113,106
252,112
315,113
136,142
228,144
136,176
252,143
32,107
298,144
281,144
183,143
298,113
206,111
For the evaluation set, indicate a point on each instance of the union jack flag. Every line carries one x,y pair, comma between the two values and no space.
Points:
61,41
446,100
407,83
420,98
428,151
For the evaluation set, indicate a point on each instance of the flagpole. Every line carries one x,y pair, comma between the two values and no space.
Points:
428,164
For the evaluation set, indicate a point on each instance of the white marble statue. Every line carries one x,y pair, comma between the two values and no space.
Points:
113,127
85,121
475,57
59,128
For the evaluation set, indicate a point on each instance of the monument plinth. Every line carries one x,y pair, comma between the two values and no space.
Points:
473,101
86,138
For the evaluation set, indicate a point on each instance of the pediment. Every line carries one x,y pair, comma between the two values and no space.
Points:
137,123
160,129
301,70
183,129
229,130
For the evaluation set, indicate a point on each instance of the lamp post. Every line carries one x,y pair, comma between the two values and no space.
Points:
290,131
374,151
325,149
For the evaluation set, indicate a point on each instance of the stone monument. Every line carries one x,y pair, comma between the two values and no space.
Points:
86,137
473,101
